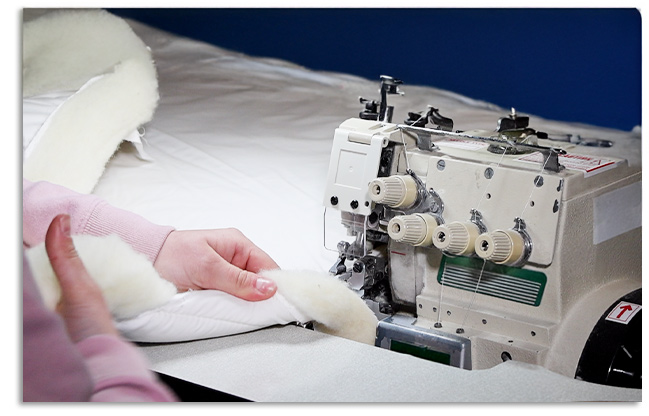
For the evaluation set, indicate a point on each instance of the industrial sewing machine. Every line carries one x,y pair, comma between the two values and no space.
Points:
475,247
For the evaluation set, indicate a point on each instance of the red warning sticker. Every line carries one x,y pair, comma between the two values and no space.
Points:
587,164
623,312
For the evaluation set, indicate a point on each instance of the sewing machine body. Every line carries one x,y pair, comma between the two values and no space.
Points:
554,244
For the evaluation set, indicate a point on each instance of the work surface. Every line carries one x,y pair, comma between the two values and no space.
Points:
293,364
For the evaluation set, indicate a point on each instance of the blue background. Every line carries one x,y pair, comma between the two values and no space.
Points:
581,65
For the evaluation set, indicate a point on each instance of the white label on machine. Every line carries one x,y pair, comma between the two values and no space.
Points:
623,312
616,212
462,144
590,165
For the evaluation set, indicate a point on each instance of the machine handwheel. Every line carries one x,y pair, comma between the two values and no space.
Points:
613,352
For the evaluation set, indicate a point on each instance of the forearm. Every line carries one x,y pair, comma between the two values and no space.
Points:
89,214
120,373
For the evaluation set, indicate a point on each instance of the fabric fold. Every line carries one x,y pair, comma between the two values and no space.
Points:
112,81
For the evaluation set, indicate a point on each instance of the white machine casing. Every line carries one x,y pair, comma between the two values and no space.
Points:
558,232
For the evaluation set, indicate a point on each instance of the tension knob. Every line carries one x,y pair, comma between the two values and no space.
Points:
414,229
397,191
457,238
500,246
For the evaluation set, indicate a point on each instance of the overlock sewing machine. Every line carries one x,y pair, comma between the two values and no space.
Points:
475,247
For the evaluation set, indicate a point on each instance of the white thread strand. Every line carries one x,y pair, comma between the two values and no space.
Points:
536,180
502,156
405,155
403,140
484,262
439,307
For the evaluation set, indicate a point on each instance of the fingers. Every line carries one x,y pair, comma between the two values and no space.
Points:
247,285
222,259
236,248
259,261
82,305
246,261
63,256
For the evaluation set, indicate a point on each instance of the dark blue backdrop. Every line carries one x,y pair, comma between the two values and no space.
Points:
566,64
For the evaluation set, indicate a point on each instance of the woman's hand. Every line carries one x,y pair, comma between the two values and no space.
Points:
222,259
82,305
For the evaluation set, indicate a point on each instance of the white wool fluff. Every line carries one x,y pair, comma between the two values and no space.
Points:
61,52
127,278
148,308
335,308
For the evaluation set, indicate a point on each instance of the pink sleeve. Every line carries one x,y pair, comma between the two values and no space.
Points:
99,368
53,369
89,214
120,373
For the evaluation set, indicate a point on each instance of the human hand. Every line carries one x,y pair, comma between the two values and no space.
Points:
222,259
82,305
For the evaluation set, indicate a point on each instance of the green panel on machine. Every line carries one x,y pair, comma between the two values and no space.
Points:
510,283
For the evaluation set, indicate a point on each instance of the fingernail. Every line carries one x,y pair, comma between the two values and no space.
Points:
64,224
265,286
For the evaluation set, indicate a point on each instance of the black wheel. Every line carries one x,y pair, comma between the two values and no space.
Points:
613,352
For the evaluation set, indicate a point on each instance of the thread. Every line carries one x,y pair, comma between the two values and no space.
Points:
403,140
536,181
477,286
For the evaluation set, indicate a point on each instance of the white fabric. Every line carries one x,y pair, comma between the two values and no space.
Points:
44,102
40,110
207,314
36,111
302,296
112,80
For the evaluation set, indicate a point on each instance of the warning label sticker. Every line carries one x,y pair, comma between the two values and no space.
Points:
587,164
623,312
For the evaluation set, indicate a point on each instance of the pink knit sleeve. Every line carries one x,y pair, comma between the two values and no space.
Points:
89,214
120,373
